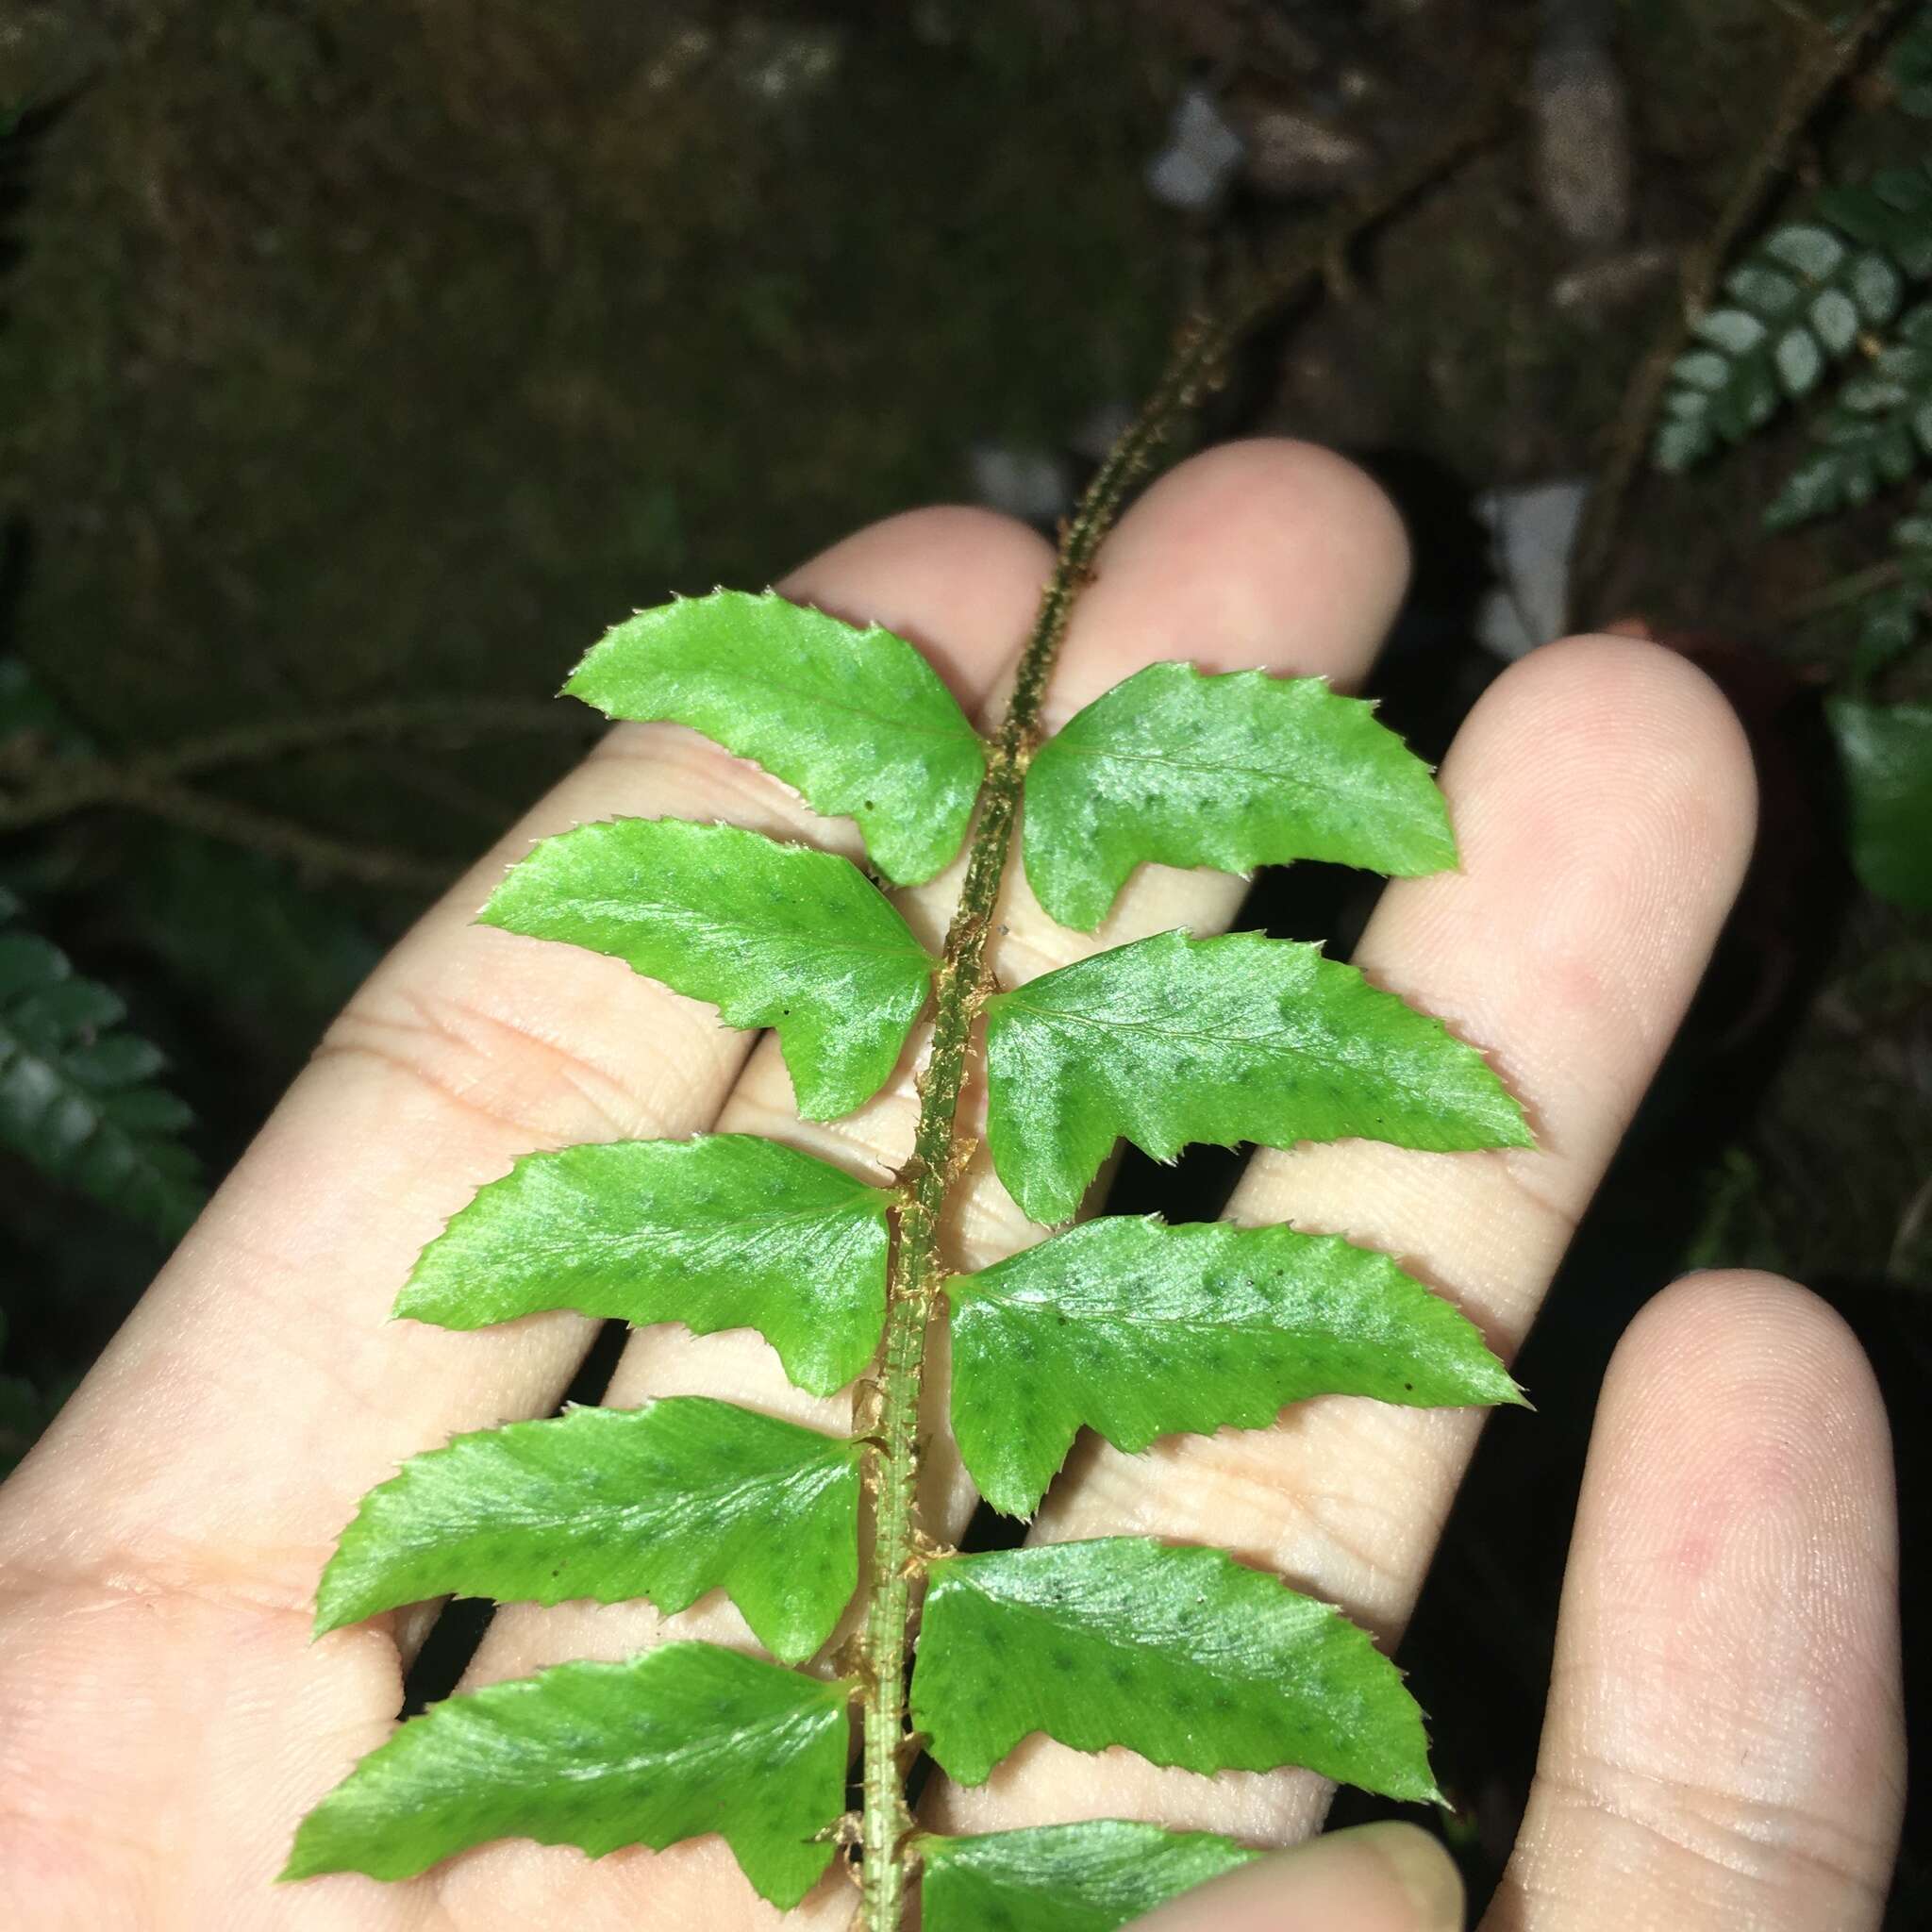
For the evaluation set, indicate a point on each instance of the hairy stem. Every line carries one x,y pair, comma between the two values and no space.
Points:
891,1419
963,984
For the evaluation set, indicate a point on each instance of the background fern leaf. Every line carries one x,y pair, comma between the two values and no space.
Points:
77,1090
682,1497
1180,1654
1139,1330
1803,299
773,934
1892,616
1233,772
1876,431
1172,1039
670,1744
721,1231
1089,1877
1892,212
857,720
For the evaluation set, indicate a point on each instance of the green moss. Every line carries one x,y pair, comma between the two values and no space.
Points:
360,351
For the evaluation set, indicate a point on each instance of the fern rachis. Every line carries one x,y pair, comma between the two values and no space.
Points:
1127,1327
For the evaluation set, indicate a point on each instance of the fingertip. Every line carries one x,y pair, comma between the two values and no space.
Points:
1741,1477
1612,701
1771,1379
1277,494
1387,1878
1425,1870
959,582
1745,1322
1727,1688
1265,553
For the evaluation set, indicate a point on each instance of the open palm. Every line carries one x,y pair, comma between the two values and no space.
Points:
1722,1748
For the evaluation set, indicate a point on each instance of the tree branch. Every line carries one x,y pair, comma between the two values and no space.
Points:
62,786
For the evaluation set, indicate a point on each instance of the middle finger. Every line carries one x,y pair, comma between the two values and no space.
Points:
1603,799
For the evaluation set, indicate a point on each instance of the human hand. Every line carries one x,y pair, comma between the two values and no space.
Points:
1723,1744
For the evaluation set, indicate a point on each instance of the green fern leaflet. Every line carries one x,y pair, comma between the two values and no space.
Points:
79,1092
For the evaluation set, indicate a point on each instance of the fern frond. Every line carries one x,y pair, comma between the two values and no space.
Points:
1891,213
1799,302
1893,619
77,1092
1134,1328
1876,431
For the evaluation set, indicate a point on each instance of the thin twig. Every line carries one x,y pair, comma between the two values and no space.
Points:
283,838
71,785
1307,259
155,783
1849,589
1817,74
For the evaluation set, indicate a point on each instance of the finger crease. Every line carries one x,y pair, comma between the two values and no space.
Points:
1756,1843
615,1112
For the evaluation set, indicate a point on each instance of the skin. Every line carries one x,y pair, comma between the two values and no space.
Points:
1722,1747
